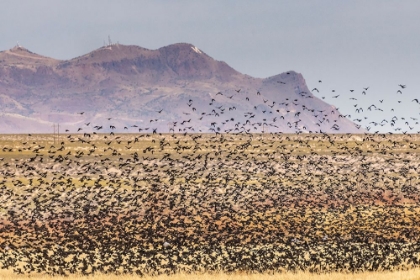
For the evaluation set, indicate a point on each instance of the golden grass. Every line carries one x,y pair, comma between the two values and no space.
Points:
413,274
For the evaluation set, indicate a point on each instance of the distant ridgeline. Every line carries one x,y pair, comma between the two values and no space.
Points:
177,88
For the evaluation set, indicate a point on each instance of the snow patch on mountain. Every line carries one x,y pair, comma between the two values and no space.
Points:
197,50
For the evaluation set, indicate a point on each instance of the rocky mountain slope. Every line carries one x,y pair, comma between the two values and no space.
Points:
175,88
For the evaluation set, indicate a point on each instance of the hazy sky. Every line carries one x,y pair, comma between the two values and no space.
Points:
346,44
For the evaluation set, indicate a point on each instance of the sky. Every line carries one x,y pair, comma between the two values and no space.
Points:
348,45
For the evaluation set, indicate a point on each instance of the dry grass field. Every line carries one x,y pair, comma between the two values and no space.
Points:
308,206
413,274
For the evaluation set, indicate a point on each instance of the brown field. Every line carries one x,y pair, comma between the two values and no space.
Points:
413,274
238,204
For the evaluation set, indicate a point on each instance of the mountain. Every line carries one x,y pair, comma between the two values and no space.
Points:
177,87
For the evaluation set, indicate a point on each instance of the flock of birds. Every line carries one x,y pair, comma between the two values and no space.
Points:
155,203
220,115
396,124
291,113
203,202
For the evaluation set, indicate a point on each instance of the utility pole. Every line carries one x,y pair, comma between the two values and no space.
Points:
54,133
263,131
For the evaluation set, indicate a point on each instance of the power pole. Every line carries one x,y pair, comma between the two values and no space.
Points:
54,133
263,131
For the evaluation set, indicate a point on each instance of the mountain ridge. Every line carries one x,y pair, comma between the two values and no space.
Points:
138,87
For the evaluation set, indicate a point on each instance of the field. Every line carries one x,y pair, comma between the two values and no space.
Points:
198,203
412,274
